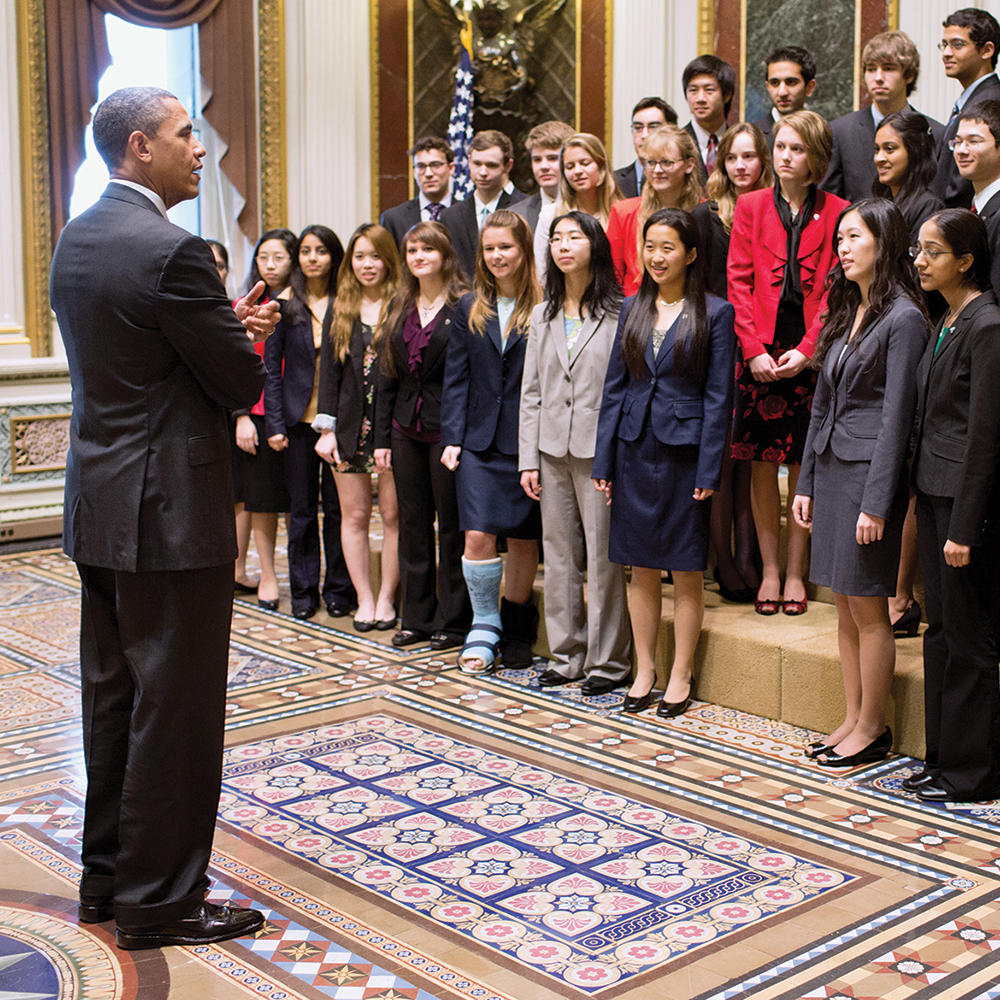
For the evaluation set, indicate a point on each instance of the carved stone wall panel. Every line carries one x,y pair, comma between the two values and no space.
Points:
34,444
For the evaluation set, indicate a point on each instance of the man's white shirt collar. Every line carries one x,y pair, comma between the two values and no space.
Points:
970,90
982,199
148,192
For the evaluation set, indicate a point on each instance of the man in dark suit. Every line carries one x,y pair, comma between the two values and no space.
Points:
891,65
977,156
790,79
709,86
543,144
156,356
491,159
970,44
650,113
433,167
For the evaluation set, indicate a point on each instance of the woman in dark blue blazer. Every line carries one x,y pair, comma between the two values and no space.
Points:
480,407
660,439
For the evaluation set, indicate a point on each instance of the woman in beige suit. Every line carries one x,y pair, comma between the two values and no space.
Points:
572,333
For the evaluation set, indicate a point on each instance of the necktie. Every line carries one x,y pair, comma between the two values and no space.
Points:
710,157
434,210
483,213
973,209
954,113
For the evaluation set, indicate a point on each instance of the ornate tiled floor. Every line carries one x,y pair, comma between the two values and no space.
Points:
412,833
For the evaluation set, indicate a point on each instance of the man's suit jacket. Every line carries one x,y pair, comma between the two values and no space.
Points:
863,406
757,255
949,185
561,396
156,358
397,395
689,128
991,216
625,177
852,166
766,125
956,450
528,209
461,221
481,398
400,219
671,405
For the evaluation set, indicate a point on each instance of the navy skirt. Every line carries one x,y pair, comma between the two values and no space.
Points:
490,497
655,520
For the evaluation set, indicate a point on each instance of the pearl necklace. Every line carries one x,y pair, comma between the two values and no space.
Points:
663,302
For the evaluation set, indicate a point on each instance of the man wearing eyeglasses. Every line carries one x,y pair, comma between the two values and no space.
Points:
649,114
970,44
433,165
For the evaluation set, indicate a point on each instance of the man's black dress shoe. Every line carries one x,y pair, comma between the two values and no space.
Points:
409,637
335,610
441,640
552,678
208,923
305,613
916,781
934,791
598,685
95,909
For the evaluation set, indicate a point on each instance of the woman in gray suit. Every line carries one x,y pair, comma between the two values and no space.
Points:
564,367
854,463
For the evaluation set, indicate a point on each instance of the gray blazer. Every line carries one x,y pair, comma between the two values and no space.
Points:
863,405
560,397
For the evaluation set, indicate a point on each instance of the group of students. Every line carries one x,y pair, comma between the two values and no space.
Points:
772,323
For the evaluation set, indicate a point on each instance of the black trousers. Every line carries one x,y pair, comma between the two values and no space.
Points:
303,471
961,687
154,653
433,593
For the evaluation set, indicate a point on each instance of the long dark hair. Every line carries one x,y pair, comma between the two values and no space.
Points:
893,275
691,342
298,305
603,294
915,132
287,237
966,234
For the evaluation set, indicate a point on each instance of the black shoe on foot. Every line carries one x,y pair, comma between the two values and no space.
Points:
877,750
441,640
671,709
552,678
208,923
409,637
335,610
268,605
244,588
598,685
95,909
907,624
303,614
632,705
917,780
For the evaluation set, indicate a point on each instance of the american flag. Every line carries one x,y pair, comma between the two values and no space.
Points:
460,128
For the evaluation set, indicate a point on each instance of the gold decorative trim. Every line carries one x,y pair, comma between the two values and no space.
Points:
271,86
411,180
374,111
706,27
892,16
609,62
577,53
36,217
742,82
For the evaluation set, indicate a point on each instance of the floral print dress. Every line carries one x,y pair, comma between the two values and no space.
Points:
364,459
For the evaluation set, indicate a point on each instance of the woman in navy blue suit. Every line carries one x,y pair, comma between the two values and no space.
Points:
480,407
660,439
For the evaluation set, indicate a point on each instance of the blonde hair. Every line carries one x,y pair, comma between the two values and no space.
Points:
347,305
608,191
816,135
527,292
720,187
658,143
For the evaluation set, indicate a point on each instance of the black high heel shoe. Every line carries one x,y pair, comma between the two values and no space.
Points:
907,624
877,750
744,595
671,709
632,705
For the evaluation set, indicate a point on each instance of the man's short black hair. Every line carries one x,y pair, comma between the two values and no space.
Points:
724,74
987,112
429,142
981,25
793,54
128,110
669,115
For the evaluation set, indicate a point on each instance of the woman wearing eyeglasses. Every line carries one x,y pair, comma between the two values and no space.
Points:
955,468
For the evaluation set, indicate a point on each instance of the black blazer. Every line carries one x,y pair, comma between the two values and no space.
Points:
689,128
397,395
342,388
528,209
924,204
863,406
625,176
290,357
481,397
852,166
714,247
156,358
766,125
401,218
956,449
991,216
460,220
949,185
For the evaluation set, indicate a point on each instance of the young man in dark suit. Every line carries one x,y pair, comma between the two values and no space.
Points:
970,44
543,144
977,156
433,167
491,159
790,79
709,86
648,115
157,356
891,65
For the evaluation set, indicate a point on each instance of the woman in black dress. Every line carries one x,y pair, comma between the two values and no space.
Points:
660,438
853,489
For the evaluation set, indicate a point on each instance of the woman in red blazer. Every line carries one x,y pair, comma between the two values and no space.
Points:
780,251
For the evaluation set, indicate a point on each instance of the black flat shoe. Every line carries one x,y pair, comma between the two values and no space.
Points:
303,614
362,626
95,909
917,781
243,588
816,748
441,640
335,610
877,750
207,924
745,595
268,605
907,624
671,709
409,637
598,685
385,624
552,678
632,705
